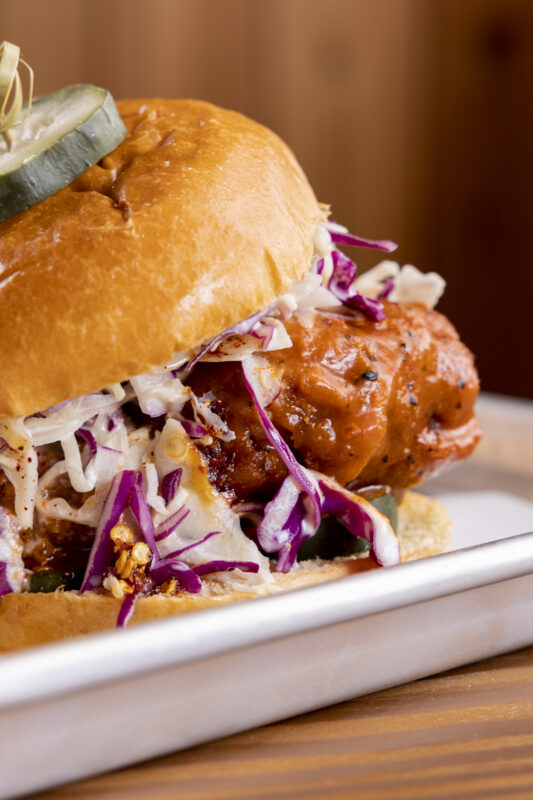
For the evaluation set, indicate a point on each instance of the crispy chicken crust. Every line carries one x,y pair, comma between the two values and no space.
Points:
388,402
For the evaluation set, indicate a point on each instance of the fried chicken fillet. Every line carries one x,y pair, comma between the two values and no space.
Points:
388,403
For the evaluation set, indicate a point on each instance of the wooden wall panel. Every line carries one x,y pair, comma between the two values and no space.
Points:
413,118
50,35
336,79
194,48
482,201
173,48
353,106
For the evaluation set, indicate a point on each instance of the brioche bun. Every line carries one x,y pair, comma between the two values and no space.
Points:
27,619
197,220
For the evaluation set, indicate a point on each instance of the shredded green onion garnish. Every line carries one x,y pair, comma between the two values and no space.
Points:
11,88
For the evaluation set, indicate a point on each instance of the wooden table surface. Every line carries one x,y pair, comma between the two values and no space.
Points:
467,733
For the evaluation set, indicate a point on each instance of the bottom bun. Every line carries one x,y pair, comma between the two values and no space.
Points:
31,619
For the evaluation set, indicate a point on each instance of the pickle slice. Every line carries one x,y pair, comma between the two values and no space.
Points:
64,133
47,581
332,539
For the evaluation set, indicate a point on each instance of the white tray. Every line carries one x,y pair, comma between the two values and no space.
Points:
92,705
102,702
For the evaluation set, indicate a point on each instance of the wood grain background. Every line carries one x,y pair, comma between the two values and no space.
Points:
412,117
463,734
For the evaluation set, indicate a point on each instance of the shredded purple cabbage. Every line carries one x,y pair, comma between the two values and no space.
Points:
357,241
240,329
249,508
298,473
388,286
115,418
110,450
285,526
225,566
339,502
5,585
54,409
169,525
172,568
170,485
298,495
141,511
102,550
177,553
127,608
125,494
193,429
88,437
263,331
342,285
283,529
189,577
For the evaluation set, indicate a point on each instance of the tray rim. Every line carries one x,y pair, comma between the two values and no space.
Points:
63,668
97,659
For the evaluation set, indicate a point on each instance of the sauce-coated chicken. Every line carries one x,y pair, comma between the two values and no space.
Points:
368,403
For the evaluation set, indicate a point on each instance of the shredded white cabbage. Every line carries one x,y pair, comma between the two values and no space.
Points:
55,426
203,415
410,285
11,554
117,390
19,462
151,489
209,511
322,240
160,394
81,480
270,330
59,508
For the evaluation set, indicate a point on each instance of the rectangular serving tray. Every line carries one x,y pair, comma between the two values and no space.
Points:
104,701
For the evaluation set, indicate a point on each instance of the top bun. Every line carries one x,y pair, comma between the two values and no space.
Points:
197,220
